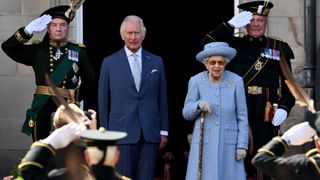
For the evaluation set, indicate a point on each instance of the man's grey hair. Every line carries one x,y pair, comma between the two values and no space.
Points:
133,18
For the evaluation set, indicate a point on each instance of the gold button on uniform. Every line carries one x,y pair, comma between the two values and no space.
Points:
31,123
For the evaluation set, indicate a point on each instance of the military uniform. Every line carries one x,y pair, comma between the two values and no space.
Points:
300,166
35,165
257,61
67,60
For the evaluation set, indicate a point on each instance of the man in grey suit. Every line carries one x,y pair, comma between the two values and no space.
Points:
133,99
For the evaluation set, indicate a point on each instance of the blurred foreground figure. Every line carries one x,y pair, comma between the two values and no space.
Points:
306,166
73,152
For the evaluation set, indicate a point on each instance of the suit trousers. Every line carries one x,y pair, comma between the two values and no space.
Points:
138,160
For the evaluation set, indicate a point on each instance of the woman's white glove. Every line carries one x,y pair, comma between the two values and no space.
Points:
205,106
241,153
240,20
63,136
279,116
299,134
38,24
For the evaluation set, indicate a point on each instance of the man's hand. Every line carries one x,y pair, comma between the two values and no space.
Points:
163,141
93,121
205,106
279,116
38,24
299,134
240,20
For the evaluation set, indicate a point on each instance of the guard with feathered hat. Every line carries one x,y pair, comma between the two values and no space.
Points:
65,61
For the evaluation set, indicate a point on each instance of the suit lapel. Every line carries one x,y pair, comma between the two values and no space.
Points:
146,69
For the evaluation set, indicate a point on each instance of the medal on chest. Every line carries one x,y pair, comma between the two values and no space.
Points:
58,53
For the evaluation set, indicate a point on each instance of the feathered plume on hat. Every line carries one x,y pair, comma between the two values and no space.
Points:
257,7
74,5
65,12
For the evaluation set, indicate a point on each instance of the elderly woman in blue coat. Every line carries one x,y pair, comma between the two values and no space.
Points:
220,95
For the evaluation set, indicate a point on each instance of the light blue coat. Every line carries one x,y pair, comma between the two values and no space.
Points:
225,130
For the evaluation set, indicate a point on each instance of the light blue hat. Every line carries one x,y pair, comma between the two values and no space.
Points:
216,49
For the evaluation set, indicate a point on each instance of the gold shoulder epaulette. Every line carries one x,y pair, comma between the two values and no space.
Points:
36,41
77,43
276,38
312,152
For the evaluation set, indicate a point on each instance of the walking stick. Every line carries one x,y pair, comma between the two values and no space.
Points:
200,146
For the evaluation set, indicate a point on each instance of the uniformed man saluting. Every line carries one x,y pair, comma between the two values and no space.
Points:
64,61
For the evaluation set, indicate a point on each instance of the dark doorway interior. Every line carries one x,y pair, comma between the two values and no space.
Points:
173,32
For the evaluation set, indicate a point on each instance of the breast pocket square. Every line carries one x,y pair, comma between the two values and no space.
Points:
153,70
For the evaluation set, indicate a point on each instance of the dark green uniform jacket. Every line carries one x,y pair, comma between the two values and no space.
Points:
44,58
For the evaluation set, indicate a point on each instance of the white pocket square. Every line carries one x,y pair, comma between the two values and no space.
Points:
154,70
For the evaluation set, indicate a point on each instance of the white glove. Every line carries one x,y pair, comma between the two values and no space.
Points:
38,24
299,134
241,153
279,116
205,106
63,136
240,20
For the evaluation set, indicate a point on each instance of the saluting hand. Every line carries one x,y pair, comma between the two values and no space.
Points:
63,136
38,24
240,20
299,134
